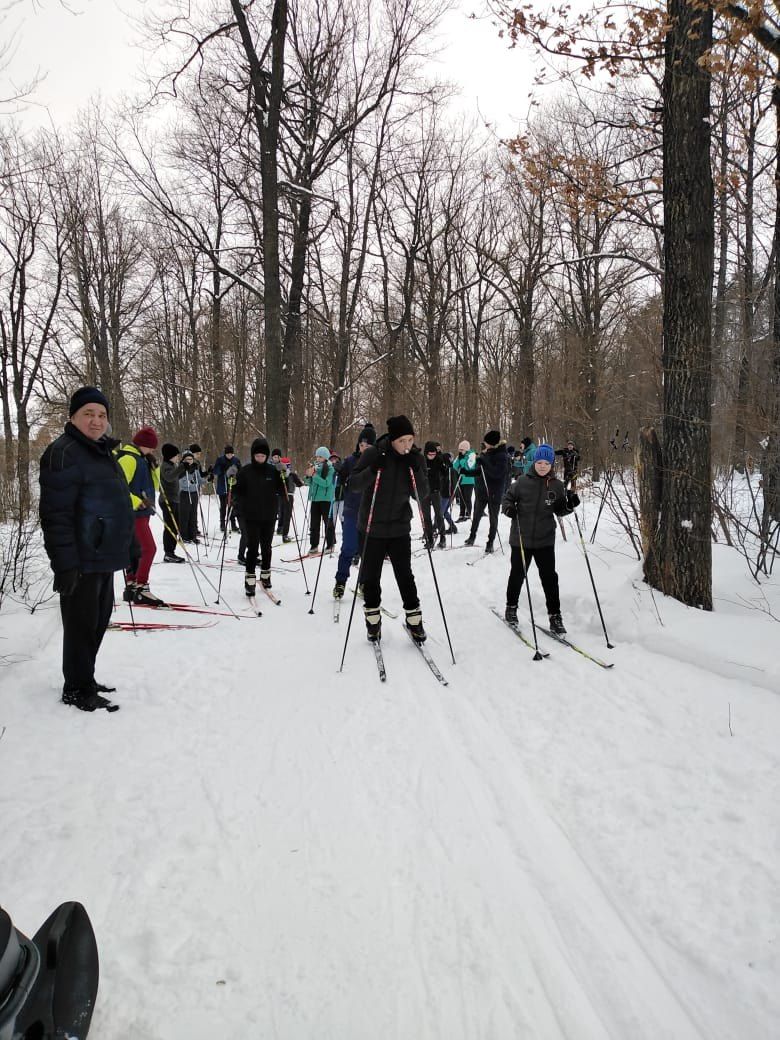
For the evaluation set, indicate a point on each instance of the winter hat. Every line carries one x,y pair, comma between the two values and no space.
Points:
169,451
399,426
510,449
544,453
431,446
492,437
526,442
86,395
286,461
368,434
229,450
322,452
260,446
195,448
187,455
276,453
146,437
464,446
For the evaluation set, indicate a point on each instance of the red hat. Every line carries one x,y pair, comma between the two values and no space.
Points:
146,437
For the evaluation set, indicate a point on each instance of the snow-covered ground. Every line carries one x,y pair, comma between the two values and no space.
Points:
268,848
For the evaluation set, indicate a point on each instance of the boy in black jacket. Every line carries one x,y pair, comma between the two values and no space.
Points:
384,473
533,501
490,483
256,492
437,470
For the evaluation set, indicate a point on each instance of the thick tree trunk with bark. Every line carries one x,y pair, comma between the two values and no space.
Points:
686,510
771,462
649,473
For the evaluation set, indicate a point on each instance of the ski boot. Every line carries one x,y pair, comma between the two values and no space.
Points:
373,617
470,540
442,542
287,539
87,700
489,547
250,583
556,625
338,590
265,579
173,558
145,598
414,625
510,614
130,589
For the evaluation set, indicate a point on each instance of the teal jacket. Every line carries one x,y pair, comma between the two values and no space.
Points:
322,486
466,467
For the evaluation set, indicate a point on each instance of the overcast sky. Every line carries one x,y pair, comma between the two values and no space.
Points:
92,51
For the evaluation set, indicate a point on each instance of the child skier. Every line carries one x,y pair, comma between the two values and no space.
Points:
465,466
389,469
257,490
169,501
189,495
491,481
349,519
437,469
533,501
143,478
225,470
571,459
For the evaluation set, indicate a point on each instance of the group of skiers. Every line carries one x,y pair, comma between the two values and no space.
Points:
97,497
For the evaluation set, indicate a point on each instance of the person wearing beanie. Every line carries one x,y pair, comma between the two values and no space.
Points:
387,475
493,467
191,480
571,461
257,491
350,537
88,534
139,465
465,466
533,502
169,501
321,478
225,470
438,471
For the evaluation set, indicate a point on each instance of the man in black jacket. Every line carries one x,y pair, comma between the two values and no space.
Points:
384,474
87,521
257,491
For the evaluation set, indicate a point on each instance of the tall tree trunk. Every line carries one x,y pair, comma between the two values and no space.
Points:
686,509
771,463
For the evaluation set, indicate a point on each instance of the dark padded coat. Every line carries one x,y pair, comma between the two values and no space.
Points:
537,501
494,463
392,510
85,509
258,488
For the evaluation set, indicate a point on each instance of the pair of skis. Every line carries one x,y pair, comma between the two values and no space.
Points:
553,635
424,653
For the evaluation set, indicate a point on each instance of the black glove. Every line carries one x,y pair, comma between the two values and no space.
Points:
379,462
510,511
65,582
572,499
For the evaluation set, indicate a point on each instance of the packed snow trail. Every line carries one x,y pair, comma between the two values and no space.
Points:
540,850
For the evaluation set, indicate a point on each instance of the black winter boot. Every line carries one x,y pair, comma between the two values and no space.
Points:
265,579
510,614
556,625
250,583
415,626
489,547
338,590
470,540
373,617
442,542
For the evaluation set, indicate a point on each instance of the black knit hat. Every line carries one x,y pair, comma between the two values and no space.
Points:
492,437
399,426
229,449
87,395
195,448
368,434
277,452
169,451
260,446
431,446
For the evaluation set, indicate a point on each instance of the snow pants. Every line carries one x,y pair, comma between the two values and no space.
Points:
145,539
465,492
188,516
321,511
349,546
85,617
262,535
545,564
492,505
400,552
170,525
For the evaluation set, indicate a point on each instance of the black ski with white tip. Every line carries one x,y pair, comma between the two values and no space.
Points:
378,657
426,655
519,634
577,649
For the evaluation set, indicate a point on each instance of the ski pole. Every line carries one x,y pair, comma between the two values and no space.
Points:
297,540
322,554
609,475
369,521
228,521
492,513
433,569
179,540
537,656
450,500
130,605
592,581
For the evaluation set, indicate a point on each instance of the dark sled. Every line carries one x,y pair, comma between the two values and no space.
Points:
48,985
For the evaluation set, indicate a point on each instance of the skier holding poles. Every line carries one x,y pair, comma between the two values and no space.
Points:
382,474
533,501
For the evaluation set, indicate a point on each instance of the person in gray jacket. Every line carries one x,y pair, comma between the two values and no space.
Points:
533,502
170,473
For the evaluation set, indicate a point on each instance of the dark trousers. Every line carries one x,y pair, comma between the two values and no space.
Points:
188,516
492,505
545,564
170,525
321,511
433,501
465,491
349,546
224,505
259,534
284,515
400,552
85,617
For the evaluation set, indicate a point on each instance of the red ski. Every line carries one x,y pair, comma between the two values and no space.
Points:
154,626
188,608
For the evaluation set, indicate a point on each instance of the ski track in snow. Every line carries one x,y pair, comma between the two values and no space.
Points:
541,850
